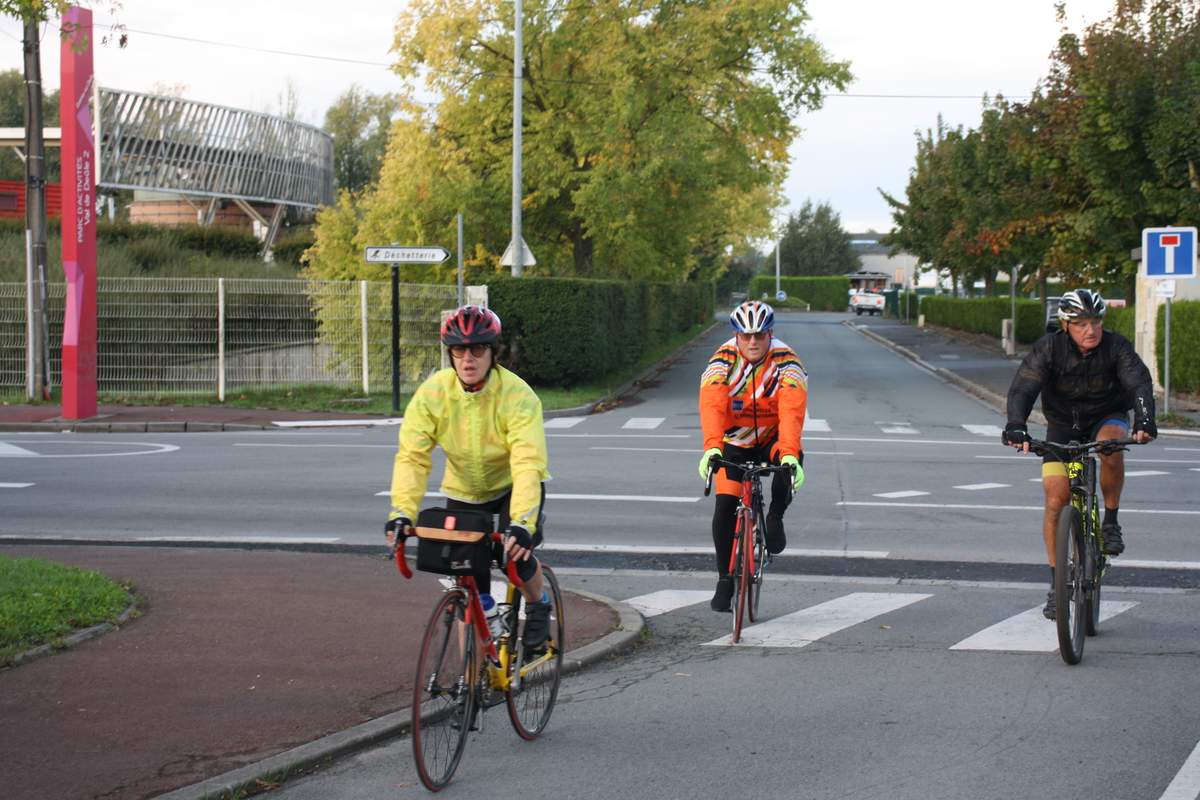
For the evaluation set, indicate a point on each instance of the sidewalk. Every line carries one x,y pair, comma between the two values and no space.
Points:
238,659
977,364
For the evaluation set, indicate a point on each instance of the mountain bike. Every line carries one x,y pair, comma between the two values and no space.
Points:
1078,543
749,558
462,669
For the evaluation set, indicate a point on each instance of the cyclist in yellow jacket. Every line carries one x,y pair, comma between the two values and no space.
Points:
753,395
489,425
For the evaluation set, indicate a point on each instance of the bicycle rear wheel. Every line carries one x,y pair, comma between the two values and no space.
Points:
1069,582
443,703
1095,569
741,575
760,564
532,702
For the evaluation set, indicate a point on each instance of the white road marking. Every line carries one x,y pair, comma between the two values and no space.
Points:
635,549
157,448
948,355
1128,460
619,436
899,428
972,443
1029,631
628,498
897,495
969,506
337,423
808,625
1143,473
984,430
313,444
694,450
660,602
12,451
244,539
815,425
1186,785
644,423
15,485
975,487
1133,562
563,422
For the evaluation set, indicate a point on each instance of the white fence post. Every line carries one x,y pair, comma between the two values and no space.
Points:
221,340
366,360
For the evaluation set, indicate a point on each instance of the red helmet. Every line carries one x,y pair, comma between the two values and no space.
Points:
471,325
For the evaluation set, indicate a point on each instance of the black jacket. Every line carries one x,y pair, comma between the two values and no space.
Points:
1077,390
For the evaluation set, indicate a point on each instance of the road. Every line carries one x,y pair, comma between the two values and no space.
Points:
903,654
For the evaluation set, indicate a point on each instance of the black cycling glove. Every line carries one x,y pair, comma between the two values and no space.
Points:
1146,424
397,526
522,536
1015,433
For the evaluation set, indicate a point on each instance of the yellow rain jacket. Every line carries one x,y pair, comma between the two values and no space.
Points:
493,440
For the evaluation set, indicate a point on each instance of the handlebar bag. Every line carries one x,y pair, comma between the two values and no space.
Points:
454,541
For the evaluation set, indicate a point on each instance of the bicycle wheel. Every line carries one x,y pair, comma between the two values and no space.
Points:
1069,584
443,703
741,575
530,705
1095,571
758,564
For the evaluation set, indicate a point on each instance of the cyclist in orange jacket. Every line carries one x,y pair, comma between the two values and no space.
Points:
752,400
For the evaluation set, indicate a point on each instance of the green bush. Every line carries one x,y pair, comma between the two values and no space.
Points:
290,247
822,293
566,331
151,255
1121,321
1185,345
984,315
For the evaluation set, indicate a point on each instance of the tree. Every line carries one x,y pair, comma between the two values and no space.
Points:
12,115
359,123
813,243
655,131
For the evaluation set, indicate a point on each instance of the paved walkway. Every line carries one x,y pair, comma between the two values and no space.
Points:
238,657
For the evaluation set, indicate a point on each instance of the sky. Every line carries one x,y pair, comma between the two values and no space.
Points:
949,52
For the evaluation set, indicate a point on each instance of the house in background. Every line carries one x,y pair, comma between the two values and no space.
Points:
897,270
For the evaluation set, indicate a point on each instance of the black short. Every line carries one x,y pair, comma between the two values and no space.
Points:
1087,431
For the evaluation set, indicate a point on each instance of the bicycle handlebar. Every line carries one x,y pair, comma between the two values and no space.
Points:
509,566
1060,450
749,470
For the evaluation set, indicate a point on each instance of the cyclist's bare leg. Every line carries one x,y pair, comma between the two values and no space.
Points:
1057,489
1112,467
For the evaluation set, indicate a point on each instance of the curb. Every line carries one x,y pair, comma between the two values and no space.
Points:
266,774
76,638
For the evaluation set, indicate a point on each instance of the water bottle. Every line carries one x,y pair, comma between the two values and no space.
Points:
495,622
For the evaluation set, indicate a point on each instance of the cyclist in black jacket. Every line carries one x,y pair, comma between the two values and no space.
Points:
1089,380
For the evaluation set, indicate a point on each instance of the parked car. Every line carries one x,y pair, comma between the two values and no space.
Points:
866,303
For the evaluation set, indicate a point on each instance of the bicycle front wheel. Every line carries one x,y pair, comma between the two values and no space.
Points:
741,574
1069,580
532,701
443,703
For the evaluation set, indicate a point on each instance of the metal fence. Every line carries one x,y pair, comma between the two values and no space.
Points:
210,335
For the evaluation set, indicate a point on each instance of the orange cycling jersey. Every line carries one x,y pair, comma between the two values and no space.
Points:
747,405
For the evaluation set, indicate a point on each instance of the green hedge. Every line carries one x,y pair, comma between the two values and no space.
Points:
567,331
1185,345
289,247
983,315
213,240
823,294
1121,321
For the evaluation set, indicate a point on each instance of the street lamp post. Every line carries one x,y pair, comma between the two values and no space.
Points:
518,56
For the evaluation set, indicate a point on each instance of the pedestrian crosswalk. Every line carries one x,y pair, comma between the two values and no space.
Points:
887,428
1024,632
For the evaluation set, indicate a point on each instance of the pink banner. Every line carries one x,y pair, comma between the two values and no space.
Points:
78,217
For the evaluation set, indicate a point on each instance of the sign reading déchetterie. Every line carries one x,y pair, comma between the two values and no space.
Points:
392,254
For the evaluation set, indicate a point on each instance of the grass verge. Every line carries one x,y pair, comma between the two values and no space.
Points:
41,601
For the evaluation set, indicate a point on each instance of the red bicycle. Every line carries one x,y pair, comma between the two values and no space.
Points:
749,558
463,669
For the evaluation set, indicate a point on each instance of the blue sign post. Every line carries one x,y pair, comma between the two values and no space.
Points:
1167,254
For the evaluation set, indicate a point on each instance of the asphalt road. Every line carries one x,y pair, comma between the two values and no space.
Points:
915,665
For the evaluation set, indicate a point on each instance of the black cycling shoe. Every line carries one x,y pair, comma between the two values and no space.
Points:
724,594
776,538
537,625
1114,545
1049,611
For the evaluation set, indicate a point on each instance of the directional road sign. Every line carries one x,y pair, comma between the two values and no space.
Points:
1169,253
392,254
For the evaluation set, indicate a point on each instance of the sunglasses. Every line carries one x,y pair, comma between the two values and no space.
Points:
761,336
477,350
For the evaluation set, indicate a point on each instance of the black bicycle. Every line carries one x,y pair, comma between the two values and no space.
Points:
749,557
1078,543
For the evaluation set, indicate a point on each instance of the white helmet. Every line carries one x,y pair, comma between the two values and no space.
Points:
1079,303
753,316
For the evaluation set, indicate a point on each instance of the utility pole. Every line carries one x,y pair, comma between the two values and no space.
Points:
37,328
518,253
